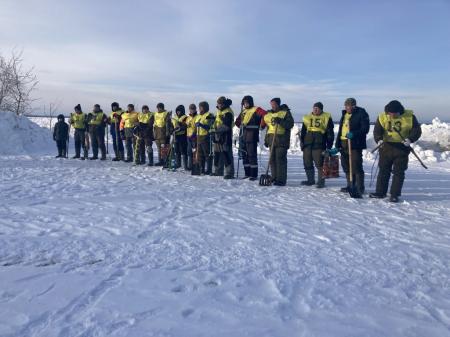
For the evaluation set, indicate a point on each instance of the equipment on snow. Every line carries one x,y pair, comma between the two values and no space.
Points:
266,179
352,189
412,150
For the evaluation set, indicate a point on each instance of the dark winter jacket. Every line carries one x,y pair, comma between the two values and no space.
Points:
317,140
359,126
224,132
61,131
287,123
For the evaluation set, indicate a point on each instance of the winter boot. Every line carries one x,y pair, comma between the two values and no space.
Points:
150,156
184,160
346,188
320,180
247,173
359,182
253,173
376,195
228,172
309,178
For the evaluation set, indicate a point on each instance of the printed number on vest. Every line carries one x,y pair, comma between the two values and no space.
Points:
397,126
316,122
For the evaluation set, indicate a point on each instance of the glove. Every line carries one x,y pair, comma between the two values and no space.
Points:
333,151
407,142
277,120
380,142
349,135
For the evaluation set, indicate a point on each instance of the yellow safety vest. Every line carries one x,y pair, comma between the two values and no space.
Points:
97,119
190,122
176,121
220,114
160,119
203,119
144,117
130,119
247,115
271,126
402,123
118,113
78,120
345,126
317,123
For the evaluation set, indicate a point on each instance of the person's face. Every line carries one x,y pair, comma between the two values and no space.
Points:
275,106
145,110
202,110
96,108
114,108
192,111
349,108
316,111
160,109
246,105
221,106
130,109
77,111
393,114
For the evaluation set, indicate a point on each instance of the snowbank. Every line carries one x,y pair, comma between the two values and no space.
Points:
20,136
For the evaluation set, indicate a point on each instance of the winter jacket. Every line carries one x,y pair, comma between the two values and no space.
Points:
359,125
317,136
223,127
61,131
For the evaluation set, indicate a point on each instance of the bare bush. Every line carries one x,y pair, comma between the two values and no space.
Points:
16,84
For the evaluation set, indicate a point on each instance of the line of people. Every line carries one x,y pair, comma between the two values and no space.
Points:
182,135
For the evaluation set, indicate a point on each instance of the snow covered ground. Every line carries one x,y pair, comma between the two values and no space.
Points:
108,249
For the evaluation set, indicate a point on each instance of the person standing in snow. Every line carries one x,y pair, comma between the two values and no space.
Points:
249,121
316,136
191,133
129,121
97,121
278,119
114,129
203,123
222,137
162,130
395,130
354,126
78,121
180,126
145,137
61,136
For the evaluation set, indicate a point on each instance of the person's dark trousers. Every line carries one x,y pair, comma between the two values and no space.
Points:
130,143
117,143
190,147
94,141
204,156
279,164
100,134
62,147
181,150
393,159
79,138
250,159
357,166
313,157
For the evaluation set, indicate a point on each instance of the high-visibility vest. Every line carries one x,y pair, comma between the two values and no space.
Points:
145,117
219,117
345,126
190,122
247,115
203,119
403,123
117,113
97,119
271,125
78,120
317,123
160,119
176,121
130,119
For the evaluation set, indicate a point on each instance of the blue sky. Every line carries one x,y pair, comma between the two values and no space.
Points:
144,52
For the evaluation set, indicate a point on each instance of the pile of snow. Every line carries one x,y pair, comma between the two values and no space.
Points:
20,136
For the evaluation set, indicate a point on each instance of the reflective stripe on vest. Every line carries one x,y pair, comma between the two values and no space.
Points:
160,119
402,123
247,115
190,122
271,126
345,126
317,123
203,119
130,119
78,120
97,119
144,117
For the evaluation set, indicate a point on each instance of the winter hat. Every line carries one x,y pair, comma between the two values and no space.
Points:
131,106
60,116
77,107
318,105
350,101
205,106
114,104
180,110
192,106
276,100
394,107
145,107
249,100
160,106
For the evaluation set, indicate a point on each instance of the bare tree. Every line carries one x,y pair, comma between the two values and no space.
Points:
16,84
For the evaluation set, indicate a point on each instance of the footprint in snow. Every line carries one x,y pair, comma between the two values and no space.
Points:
186,313
179,289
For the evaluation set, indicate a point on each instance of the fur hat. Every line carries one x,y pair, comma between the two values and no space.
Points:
394,107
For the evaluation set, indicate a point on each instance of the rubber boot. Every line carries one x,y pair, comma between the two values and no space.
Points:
247,171
228,172
320,180
150,156
178,160
253,173
359,182
189,163
184,161
309,178
346,188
